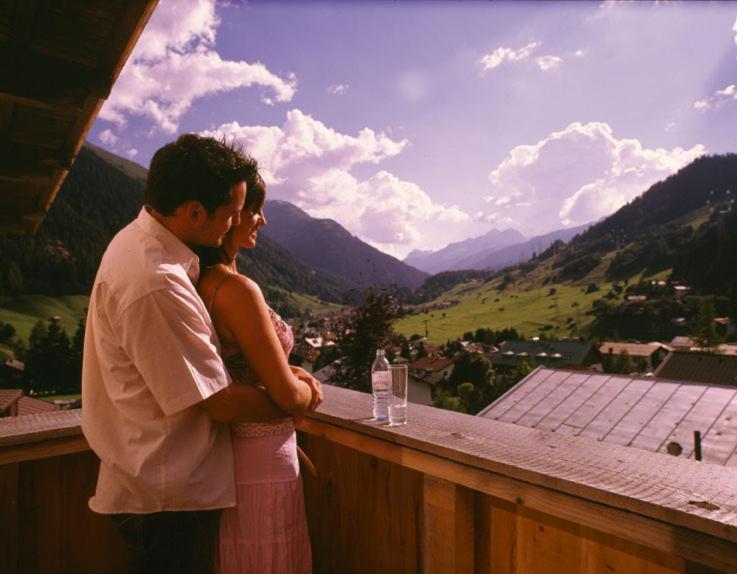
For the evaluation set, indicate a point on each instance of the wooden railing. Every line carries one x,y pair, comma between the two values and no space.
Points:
445,493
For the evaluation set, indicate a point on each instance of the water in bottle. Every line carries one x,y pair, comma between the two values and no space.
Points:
380,381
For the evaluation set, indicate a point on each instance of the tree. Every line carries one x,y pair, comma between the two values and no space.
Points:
369,327
49,359
703,331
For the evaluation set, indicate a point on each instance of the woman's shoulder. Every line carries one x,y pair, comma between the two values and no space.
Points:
239,288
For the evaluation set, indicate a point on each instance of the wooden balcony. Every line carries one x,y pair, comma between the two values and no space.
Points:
446,493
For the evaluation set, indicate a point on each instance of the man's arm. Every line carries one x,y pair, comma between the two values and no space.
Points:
241,403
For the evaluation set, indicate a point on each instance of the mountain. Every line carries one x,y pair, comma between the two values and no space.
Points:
102,194
452,256
328,246
520,252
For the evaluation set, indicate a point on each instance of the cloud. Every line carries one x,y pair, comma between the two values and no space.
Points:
734,29
175,63
501,55
546,63
717,100
580,53
701,105
575,176
309,164
131,152
107,137
338,89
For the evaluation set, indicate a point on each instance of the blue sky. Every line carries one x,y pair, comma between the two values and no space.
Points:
415,124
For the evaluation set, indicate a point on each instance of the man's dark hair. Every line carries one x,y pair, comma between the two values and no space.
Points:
196,168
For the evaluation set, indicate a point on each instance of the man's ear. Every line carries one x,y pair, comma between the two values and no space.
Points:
195,212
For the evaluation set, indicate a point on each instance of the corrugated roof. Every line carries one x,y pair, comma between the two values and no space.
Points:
431,363
716,368
548,352
633,349
31,406
645,413
8,397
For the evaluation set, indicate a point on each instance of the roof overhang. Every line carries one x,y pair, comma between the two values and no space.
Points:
59,61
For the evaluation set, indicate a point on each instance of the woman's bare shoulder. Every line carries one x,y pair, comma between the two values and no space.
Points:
241,290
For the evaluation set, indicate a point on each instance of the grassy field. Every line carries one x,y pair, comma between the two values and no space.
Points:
527,311
24,311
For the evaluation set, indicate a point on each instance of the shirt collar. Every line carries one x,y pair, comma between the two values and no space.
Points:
174,246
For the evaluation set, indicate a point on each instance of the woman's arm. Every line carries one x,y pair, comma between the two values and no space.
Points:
240,308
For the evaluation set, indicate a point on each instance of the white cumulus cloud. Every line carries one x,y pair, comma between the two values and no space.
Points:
338,89
546,63
175,63
107,137
575,176
501,55
309,164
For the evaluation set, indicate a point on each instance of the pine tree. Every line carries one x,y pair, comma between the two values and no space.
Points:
704,332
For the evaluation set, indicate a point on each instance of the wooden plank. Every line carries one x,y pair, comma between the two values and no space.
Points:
547,404
613,413
701,418
582,394
9,486
43,449
40,515
664,537
668,417
630,425
109,552
365,498
447,527
504,554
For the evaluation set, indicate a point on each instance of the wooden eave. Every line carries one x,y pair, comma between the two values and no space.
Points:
59,61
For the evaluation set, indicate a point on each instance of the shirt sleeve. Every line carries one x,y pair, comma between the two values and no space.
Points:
173,347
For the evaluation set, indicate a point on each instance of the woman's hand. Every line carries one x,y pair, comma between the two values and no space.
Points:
312,382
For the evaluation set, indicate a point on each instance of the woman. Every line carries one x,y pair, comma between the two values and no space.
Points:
267,530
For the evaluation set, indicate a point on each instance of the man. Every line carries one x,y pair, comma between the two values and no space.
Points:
154,389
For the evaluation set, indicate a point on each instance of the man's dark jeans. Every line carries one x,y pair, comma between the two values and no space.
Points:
163,542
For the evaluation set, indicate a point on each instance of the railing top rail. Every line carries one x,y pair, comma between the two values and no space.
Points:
699,496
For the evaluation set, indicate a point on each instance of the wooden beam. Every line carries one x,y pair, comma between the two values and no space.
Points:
662,536
447,527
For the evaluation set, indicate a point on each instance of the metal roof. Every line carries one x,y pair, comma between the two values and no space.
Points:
645,413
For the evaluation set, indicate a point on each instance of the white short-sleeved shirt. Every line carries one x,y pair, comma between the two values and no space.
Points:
150,356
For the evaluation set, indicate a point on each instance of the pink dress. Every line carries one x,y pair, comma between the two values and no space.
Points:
267,531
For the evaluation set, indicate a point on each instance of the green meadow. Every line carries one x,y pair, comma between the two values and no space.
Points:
24,311
558,310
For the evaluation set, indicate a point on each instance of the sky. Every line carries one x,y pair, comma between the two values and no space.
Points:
416,124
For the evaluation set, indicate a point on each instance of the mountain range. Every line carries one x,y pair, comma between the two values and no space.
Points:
493,250
326,245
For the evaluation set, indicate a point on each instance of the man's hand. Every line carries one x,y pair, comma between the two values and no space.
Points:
312,382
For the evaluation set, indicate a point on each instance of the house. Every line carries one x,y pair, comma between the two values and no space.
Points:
550,353
702,367
647,356
652,414
14,404
424,374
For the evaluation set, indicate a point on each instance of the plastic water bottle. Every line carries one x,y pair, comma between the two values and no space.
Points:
380,382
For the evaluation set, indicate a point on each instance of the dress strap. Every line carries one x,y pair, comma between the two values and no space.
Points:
215,292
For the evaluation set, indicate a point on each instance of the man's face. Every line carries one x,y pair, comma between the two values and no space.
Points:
214,228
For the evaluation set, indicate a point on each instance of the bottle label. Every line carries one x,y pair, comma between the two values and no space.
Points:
380,381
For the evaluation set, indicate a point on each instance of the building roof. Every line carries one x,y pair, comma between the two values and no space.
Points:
31,406
8,397
645,413
548,352
633,349
431,363
59,61
702,367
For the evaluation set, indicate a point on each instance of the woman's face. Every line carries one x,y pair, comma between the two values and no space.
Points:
246,233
